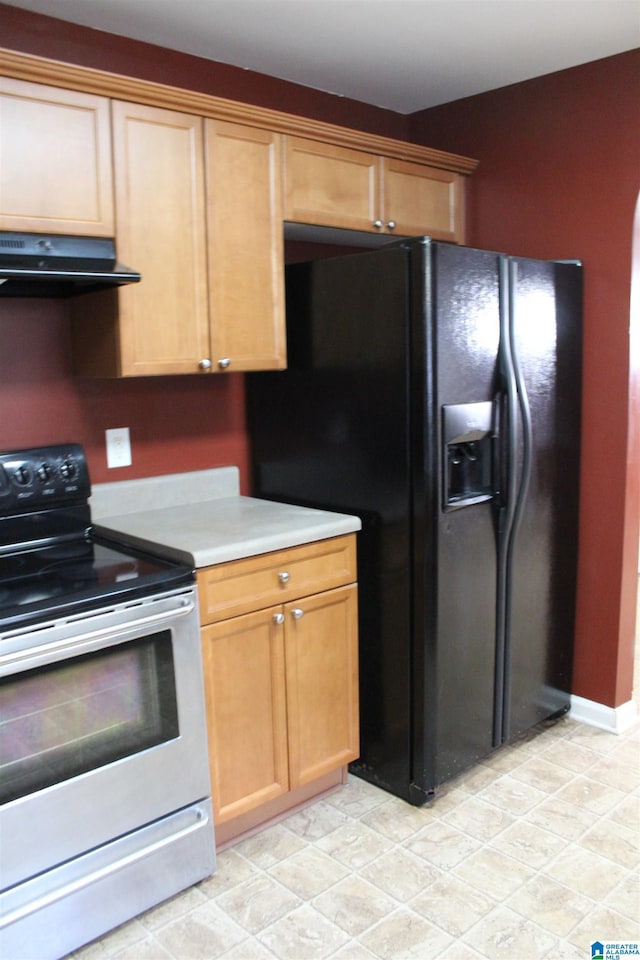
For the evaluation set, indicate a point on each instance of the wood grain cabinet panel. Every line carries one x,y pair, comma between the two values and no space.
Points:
330,185
423,200
55,160
245,247
322,683
160,216
243,661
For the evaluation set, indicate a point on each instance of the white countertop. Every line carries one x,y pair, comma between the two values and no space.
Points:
200,518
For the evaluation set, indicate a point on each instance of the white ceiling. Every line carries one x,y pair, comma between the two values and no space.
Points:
404,55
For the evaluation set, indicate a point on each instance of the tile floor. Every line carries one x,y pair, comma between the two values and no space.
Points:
533,854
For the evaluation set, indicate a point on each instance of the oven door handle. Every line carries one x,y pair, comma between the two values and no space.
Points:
42,653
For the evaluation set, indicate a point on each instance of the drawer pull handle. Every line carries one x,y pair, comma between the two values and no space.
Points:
284,577
278,618
297,613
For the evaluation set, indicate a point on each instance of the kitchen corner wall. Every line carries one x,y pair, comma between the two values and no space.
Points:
558,178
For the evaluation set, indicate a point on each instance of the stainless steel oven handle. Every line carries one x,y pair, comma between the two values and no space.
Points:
39,654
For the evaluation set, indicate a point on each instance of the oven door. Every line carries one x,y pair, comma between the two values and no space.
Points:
102,729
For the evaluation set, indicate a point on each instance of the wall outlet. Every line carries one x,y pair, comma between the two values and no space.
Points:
118,447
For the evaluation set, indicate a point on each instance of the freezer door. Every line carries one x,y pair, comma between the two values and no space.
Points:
454,382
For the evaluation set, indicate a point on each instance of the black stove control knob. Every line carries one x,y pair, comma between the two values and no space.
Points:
44,472
68,469
22,475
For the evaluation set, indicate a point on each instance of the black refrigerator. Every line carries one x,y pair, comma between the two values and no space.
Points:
434,391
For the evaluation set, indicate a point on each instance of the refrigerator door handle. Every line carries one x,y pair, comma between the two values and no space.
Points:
518,432
507,402
510,391
521,488
523,406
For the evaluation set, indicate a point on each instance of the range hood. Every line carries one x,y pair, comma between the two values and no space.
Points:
46,265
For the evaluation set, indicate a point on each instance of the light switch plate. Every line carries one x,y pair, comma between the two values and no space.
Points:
118,447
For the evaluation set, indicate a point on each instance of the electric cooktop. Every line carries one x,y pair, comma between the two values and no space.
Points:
52,562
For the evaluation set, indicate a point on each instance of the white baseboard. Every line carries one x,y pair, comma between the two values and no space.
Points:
613,719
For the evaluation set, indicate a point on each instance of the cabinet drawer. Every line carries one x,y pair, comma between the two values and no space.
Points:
230,589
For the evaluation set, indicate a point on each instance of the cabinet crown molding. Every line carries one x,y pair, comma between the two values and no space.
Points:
89,80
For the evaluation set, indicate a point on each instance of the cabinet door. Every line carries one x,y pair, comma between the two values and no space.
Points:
243,661
246,259
159,184
420,200
55,160
329,185
322,683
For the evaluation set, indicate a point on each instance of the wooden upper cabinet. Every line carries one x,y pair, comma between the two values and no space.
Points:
195,190
422,200
199,214
332,186
329,185
245,247
160,218
55,160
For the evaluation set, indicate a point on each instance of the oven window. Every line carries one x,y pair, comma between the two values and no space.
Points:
64,719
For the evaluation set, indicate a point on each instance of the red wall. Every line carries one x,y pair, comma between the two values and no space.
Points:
176,423
558,177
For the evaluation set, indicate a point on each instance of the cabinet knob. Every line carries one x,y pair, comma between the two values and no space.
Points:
284,577
297,613
224,363
205,364
391,225
377,224
278,618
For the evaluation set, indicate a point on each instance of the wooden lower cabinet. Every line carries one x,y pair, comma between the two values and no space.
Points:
281,687
246,712
322,683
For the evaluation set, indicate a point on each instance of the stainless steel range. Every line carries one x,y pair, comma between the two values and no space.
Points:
104,787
